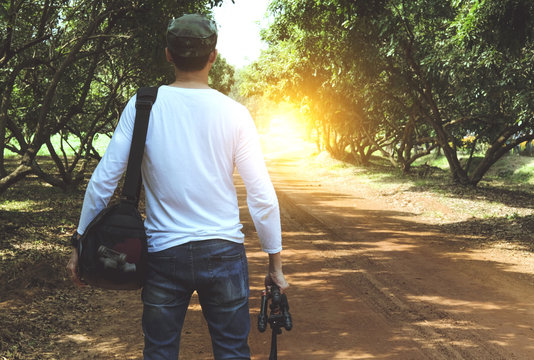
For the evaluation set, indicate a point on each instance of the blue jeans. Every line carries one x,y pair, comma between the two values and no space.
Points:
217,270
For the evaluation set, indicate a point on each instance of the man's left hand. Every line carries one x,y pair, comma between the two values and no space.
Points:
72,268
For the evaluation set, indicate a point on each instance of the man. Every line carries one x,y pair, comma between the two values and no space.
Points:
196,136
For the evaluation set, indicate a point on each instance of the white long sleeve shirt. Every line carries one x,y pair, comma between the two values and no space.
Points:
195,139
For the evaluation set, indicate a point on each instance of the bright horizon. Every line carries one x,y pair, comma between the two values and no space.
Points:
239,30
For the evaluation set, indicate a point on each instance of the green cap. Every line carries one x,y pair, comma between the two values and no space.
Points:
191,35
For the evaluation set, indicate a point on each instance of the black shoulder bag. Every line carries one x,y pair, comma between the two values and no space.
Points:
113,249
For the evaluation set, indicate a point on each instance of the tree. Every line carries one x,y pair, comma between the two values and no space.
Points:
312,59
67,68
490,71
222,75
417,74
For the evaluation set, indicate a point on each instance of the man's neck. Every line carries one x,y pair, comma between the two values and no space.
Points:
191,80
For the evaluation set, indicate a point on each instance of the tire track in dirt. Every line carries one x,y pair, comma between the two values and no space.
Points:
434,344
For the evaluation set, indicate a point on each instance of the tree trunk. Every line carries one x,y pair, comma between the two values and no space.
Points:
498,149
18,174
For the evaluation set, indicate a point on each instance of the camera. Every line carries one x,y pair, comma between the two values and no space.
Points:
114,260
279,316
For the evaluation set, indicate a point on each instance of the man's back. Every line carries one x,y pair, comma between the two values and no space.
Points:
195,138
192,143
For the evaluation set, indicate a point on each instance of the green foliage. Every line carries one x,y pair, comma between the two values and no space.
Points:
221,75
68,67
404,77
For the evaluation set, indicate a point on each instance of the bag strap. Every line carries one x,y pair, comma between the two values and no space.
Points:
146,96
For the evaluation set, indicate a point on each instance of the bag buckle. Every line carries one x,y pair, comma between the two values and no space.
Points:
143,104
129,200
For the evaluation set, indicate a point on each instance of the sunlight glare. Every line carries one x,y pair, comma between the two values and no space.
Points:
284,136
281,125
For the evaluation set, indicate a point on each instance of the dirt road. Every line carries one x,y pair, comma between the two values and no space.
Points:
372,282
369,281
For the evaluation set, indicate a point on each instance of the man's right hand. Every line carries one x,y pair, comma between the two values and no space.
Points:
277,279
275,274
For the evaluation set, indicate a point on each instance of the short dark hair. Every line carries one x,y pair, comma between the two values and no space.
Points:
189,63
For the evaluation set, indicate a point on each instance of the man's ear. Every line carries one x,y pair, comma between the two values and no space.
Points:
168,55
213,56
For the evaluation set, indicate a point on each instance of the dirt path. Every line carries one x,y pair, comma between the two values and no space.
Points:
368,282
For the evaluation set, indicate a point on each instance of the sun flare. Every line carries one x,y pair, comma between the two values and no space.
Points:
284,136
282,125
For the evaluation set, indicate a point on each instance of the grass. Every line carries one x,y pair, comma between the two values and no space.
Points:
525,173
433,160
100,143
513,169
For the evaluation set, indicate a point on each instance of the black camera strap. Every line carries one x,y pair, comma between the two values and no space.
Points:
146,96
